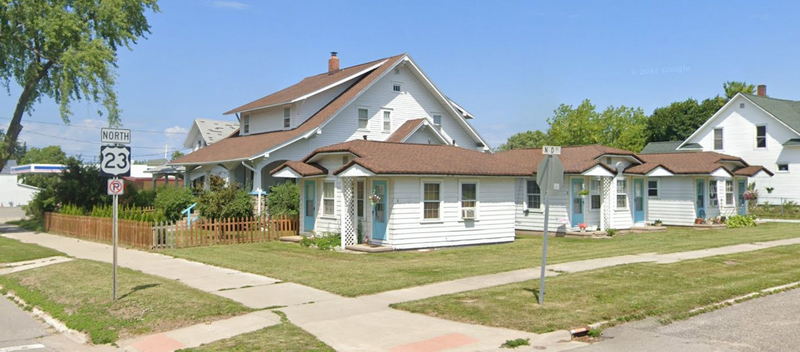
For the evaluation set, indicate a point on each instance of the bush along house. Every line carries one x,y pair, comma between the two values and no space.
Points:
406,195
386,99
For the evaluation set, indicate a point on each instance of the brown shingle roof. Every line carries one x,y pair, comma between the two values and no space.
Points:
684,163
405,130
574,159
751,171
304,169
245,147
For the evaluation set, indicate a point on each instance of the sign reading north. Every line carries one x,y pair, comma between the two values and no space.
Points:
115,160
115,136
116,187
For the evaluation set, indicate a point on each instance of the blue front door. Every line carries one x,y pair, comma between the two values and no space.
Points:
700,200
310,205
740,188
379,211
638,200
577,201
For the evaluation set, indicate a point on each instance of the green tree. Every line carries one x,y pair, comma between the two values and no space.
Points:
284,199
573,125
679,120
733,87
527,139
65,50
621,127
47,155
15,153
176,154
172,200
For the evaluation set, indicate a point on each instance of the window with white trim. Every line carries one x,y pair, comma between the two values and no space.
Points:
387,121
327,198
432,200
397,87
287,117
534,194
246,124
728,192
761,136
622,194
363,118
437,120
718,138
652,188
594,192
713,200
469,200
783,167
360,198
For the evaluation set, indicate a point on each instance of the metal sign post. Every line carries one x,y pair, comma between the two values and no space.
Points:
549,177
115,161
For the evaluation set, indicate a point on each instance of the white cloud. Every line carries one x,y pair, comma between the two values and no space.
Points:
175,130
229,4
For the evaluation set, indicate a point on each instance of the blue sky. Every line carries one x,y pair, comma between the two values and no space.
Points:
509,62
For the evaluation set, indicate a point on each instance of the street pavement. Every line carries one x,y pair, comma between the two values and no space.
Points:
766,324
11,213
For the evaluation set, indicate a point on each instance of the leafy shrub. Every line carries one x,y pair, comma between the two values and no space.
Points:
128,213
80,186
611,232
326,242
170,201
284,199
225,202
516,343
137,198
741,221
595,333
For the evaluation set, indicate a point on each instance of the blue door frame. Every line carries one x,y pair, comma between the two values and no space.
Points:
310,205
576,203
741,187
380,213
638,200
700,198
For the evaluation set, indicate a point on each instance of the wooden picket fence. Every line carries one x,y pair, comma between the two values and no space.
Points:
202,232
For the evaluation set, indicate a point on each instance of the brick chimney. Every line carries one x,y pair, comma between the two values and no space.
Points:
761,90
333,63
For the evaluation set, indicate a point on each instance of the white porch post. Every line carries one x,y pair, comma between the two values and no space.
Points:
259,166
347,218
606,204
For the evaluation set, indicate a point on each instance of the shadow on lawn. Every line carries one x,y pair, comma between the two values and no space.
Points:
138,288
535,292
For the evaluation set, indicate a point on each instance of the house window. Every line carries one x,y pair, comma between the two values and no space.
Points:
387,121
534,195
360,198
717,138
712,193
594,191
783,167
396,87
431,200
622,194
327,198
741,105
761,136
652,188
437,120
246,124
469,199
728,192
363,118
287,117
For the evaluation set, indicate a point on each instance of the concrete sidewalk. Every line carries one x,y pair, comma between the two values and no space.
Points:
366,323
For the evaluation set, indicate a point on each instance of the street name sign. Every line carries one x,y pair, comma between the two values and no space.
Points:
116,187
115,160
115,136
551,149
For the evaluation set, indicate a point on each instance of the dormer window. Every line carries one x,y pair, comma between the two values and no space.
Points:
396,87
287,117
387,121
246,124
437,120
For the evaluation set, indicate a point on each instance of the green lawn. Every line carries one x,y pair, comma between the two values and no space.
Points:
284,337
619,293
357,274
78,293
16,251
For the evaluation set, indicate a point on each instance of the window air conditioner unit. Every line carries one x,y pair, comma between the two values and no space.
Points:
468,213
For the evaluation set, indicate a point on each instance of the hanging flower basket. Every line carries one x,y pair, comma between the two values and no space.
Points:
750,195
374,199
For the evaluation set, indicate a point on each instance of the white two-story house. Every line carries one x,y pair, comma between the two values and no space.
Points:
389,99
761,130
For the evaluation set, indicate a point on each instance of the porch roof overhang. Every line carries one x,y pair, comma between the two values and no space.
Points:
598,170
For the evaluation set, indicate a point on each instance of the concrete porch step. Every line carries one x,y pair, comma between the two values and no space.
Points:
368,248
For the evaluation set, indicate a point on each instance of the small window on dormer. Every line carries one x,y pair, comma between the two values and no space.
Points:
387,121
287,117
437,120
396,87
246,124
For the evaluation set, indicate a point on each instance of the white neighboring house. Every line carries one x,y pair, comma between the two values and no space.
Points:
761,130
385,99
205,132
12,192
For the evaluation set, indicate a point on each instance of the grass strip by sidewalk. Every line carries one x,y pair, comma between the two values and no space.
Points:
79,294
284,337
337,272
15,251
28,224
618,294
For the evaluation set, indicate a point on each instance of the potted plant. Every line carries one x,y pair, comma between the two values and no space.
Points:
374,199
658,222
770,189
582,226
584,192
699,221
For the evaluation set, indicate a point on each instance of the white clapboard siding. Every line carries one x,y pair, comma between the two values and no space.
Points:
494,223
534,219
675,202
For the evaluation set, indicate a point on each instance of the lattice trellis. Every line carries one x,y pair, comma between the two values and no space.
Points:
348,218
607,203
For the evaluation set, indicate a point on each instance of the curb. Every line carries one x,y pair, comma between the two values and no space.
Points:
74,335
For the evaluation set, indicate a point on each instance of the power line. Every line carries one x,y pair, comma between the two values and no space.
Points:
91,127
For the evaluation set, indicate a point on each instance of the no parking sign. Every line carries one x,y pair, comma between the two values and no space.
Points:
116,187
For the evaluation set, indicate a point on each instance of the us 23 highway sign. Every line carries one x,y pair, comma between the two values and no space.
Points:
115,160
